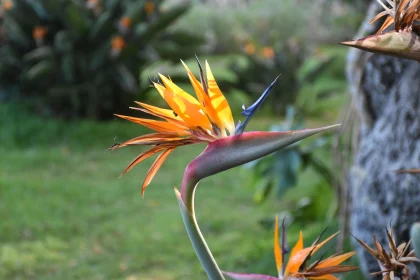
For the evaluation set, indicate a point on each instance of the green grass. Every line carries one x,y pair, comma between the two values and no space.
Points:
65,214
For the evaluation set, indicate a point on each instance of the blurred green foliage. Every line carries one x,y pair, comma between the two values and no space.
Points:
280,171
77,58
291,38
313,81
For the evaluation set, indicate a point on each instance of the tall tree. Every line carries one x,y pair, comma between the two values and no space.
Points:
386,95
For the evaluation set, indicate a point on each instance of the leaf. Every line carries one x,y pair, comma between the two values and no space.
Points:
75,20
287,166
126,79
63,41
41,53
40,71
263,190
415,237
15,32
144,35
67,66
101,27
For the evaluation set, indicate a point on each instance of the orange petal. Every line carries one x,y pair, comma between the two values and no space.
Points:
277,248
204,99
334,261
191,113
296,261
142,157
154,168
160,89
219,102
298,247
177,90
160,111
325,277
159,126
324,271
169,115
150,139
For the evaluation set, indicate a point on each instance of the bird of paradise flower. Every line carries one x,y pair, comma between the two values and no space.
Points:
296,267
189,120
205,119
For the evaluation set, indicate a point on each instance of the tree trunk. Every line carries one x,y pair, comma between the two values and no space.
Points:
386,92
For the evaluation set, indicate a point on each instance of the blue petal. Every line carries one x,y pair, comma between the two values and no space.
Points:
250,111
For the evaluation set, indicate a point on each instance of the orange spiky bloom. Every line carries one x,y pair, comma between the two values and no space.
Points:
403,13
39,32
268,52
394,263
249,48
296,266
117,44
189,120
7,5
149,7
125,23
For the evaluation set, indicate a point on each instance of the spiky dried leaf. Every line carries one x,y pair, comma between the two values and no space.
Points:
393,263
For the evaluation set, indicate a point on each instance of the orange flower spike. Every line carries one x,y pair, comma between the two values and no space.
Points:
249,49
336,260
159,126
268,52
125,22
155,168
298,247
39,32
296,267
299,257
219,102
7,5
166,114
204,99
185,106
117,43
149,7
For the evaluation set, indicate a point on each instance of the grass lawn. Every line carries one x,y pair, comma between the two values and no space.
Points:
65,214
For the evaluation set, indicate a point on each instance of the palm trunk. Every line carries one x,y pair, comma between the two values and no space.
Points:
386,92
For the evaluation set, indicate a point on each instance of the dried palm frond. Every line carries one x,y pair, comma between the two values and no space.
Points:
403,13
393,263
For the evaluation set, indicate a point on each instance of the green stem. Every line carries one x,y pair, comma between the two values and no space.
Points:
199,243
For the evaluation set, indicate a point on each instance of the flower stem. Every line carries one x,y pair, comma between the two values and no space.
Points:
186,205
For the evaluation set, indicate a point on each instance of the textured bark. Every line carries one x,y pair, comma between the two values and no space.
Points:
387,96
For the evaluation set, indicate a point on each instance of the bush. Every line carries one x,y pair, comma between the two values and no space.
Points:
77,58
